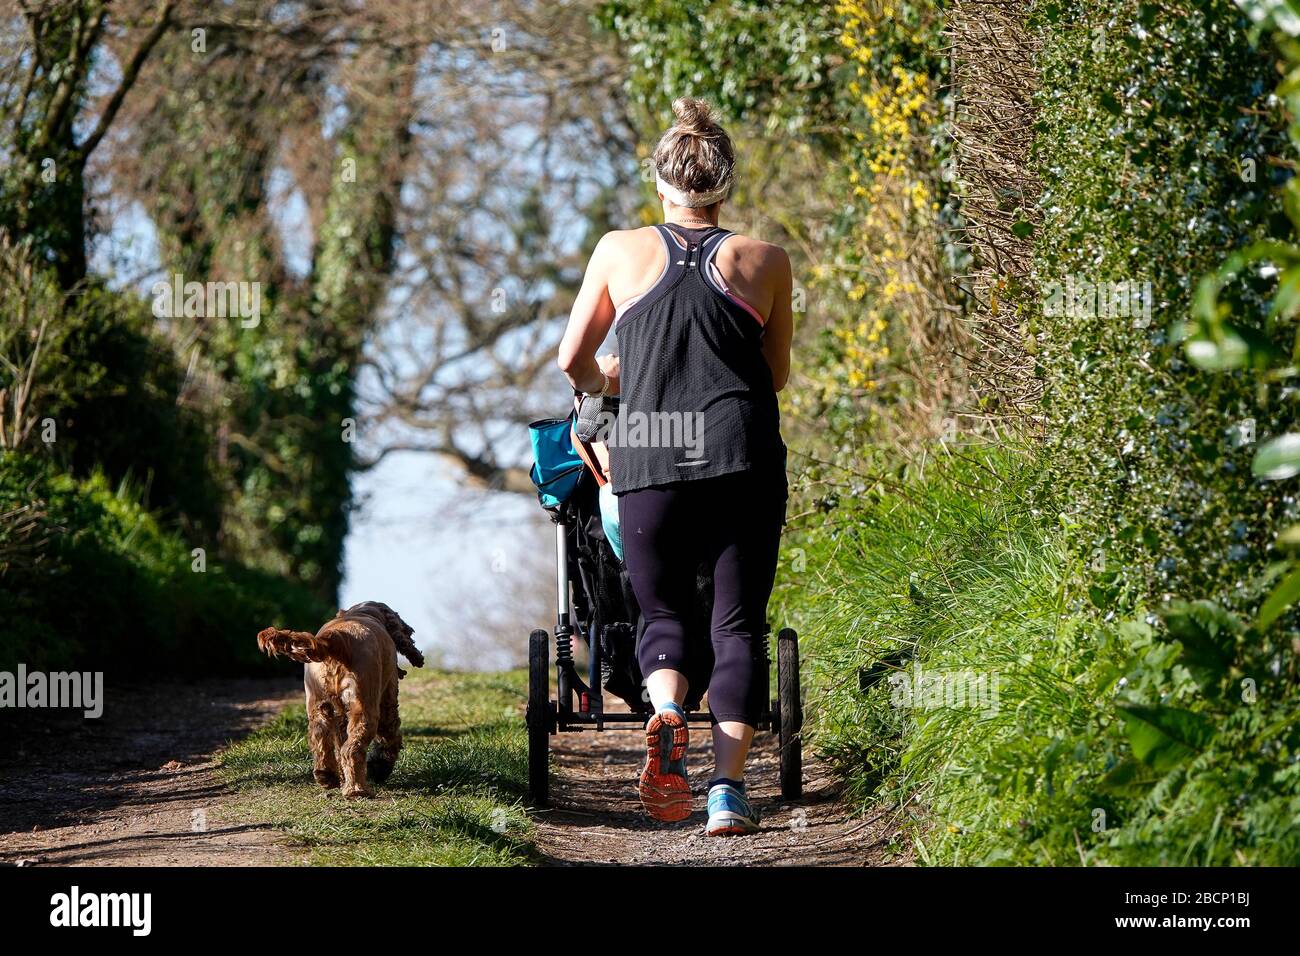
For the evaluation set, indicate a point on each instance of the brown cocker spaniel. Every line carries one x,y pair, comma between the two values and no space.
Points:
351,680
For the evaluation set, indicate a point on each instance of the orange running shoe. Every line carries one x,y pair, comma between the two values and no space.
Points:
664,791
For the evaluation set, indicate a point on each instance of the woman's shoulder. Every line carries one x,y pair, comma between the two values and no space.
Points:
757,252
618,240
620,247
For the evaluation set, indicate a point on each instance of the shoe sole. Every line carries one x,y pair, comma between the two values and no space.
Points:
731,826
665,796
729,831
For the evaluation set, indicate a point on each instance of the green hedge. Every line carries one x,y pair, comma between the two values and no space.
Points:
1147,115
1158,140
105,502
114,590
113,391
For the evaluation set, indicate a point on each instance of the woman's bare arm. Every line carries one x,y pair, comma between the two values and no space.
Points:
589,322
779,330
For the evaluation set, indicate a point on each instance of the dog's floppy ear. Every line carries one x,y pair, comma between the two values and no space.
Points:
401,633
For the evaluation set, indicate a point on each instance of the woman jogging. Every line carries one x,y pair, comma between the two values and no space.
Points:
703,321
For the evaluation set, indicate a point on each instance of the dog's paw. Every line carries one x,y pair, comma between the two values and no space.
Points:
357,793
326,778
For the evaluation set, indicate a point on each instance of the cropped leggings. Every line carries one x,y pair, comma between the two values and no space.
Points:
731,524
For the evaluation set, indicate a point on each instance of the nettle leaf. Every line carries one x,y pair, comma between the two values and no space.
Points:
1278,458
1282,597
1208,635
1022,228
1164,737
1130,778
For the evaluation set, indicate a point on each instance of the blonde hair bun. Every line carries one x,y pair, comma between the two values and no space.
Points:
695,156
694,116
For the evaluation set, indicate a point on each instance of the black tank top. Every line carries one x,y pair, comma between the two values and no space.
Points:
696,395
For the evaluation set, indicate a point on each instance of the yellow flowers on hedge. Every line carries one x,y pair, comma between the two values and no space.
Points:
891,111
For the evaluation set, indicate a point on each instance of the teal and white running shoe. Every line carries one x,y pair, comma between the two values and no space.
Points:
729,811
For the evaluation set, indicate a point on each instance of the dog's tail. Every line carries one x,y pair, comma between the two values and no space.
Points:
296,645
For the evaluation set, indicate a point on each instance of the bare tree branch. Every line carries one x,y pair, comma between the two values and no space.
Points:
129,74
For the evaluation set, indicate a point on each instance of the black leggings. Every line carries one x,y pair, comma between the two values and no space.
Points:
732,524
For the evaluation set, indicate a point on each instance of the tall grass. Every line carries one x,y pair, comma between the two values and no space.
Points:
949,571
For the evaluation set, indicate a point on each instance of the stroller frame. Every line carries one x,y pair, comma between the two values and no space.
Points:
580,704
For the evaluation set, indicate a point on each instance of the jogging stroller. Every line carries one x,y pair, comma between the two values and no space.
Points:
596,603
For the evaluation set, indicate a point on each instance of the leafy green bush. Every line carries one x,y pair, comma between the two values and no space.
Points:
106,490
748,56
124,414
106,391
113,589
1150,456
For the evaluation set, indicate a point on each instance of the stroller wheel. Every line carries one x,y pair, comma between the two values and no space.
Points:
790,714
538,718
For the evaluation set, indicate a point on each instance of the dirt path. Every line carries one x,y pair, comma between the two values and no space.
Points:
597,819
137,786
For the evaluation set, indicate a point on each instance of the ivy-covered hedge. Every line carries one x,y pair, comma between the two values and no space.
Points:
1158,148
1158,134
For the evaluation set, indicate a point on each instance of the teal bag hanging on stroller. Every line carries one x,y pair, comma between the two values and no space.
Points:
556,465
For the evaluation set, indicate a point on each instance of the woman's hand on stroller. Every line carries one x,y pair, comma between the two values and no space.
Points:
609,365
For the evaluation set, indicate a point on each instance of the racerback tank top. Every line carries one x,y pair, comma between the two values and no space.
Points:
696,395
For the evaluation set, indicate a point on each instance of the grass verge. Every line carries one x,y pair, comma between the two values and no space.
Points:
941,661
965,665
454,799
